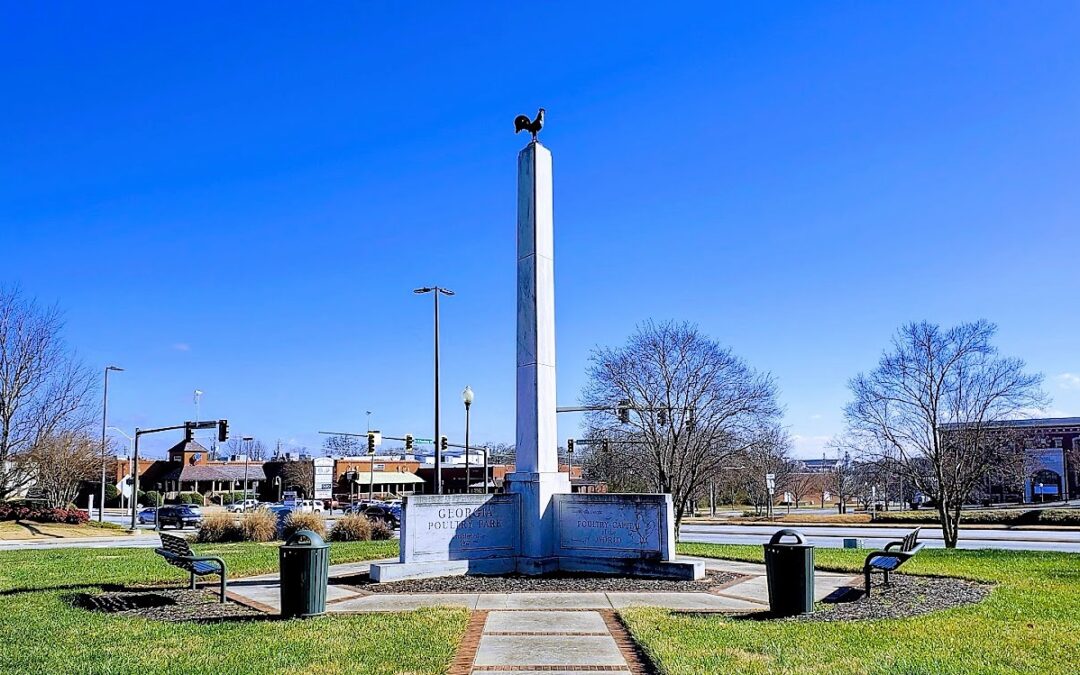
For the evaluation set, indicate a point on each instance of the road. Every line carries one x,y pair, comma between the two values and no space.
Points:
830,536
827,536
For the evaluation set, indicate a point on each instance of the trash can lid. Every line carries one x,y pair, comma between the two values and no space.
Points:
305,539
800,540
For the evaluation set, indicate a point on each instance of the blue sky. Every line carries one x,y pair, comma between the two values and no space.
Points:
240,198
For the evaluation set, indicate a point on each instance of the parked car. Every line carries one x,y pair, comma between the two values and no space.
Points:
244,505
386,514
310,506
179,516
147,515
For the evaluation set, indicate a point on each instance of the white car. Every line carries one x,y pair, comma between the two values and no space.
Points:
310,506
245,505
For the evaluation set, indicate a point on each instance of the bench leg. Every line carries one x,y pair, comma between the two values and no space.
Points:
192,581
866,572
223,587
886,577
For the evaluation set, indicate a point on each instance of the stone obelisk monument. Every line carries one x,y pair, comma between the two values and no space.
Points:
536,477
538,525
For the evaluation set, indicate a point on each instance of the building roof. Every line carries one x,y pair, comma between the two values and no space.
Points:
222,472
186,446
1034,423
387,477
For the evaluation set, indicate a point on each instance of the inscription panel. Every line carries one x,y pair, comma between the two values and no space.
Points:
459,527
621,526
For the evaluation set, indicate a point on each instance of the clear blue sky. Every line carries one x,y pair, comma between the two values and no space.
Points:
241,198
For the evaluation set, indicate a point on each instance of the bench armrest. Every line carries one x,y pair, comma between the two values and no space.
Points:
893,543
913,551
876,554
205,558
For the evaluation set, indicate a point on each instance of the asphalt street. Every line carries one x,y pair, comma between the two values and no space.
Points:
824,536
873,537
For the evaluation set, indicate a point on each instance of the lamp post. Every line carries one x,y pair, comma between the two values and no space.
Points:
486,451
135,486
104,422
245,443
371,475
436,290
467,397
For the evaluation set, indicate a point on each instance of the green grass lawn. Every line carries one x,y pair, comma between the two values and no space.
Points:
41,632
1030,623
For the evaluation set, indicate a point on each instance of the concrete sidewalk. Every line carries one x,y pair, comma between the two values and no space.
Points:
746,595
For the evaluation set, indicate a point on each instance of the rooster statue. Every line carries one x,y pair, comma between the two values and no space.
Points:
523,123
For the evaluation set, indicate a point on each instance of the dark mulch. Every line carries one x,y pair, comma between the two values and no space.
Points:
551,583
905,596
168,604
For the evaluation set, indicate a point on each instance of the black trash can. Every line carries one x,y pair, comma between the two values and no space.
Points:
789,569
304,563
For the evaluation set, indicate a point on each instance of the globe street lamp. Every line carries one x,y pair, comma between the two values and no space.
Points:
467,397
437,291
104,422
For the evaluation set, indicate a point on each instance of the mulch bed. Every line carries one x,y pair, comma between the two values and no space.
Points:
905,596
166,604
552,583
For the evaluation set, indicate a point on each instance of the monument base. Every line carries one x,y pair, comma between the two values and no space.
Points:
682,570
603,534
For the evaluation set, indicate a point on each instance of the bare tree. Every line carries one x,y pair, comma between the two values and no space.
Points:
253,448
931,402
339,445
299,476
768,456
692,404
801,484
45,391
60,463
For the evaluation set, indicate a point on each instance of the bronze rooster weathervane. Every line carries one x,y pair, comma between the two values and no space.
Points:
523,123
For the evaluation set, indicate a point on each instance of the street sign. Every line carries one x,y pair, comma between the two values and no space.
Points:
289,498
426,441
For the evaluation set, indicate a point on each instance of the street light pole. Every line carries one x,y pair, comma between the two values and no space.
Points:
436,290
104,422
135,486
467,397
371,476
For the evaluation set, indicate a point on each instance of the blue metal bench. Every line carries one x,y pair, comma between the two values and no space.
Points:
177,552
895,554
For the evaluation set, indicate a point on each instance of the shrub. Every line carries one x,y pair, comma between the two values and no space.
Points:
304,521
381,531
191,498
351,527
219,528
150,498
43,514
259,525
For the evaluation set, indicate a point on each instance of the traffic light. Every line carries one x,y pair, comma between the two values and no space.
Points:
570,445
661,416
623,410
408,442
371,443
691,421
444,443
222,430
605,445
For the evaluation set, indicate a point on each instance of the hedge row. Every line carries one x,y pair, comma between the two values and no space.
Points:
39,514
994,517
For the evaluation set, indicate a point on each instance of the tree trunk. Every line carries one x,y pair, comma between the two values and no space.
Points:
950,522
